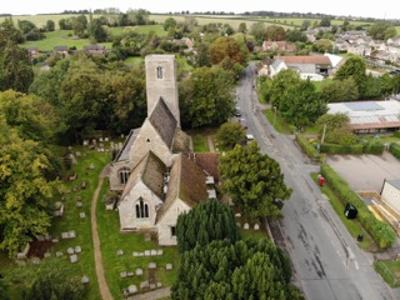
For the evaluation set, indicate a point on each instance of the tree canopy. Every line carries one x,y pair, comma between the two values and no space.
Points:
226,48
254,181
231,134
382,31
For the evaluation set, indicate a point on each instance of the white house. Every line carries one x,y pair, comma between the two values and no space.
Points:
390,194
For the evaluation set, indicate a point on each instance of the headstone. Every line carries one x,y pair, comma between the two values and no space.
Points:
92,166
147,253
85,279
106,139
153,252
159,284
78,249
40,238
94,142
120,252
36,260
246,226
123,274
152,286
72,234
238,224
141,254
83,185
147,237
135,253
160,252
132,289
139,272
256,227
70,251
79,204
73,258
85,142
144,284
152,266
100,139
59,254
122,136
130,274
78,154
82,215
70,148
55,241
47,255
168,267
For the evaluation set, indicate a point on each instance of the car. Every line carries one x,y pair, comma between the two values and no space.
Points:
243,122
237,114
249,137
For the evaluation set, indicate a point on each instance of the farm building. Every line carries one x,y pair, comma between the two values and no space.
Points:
390,194
369,116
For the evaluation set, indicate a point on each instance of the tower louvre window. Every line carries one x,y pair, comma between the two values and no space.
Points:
160,72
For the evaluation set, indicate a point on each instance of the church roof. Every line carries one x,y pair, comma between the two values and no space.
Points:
187,183
124,152
151,171
164,122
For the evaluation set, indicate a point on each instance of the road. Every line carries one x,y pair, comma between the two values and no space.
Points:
327,261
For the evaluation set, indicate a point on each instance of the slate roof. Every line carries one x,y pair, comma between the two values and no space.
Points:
187,183
151,171
306,59
124,152
164,122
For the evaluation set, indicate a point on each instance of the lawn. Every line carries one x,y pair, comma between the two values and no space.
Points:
200,143
144,29
18,276
112,240
278,123
134,61
353,226
59,38
390,271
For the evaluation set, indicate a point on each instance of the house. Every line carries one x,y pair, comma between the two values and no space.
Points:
96,50
186,42
394,42
155,172
62,50
280,46
314,67
390,194
369,116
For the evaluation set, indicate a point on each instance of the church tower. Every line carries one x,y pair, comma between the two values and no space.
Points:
161,82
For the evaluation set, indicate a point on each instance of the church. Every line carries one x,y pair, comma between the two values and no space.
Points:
155,171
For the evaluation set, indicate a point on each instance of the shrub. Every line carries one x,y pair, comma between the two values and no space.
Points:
374,147
395,150
342,149
381,232
307,147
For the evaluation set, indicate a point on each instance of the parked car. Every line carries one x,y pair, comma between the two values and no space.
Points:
249,137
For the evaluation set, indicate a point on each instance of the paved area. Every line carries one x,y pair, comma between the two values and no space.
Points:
163,293
328,264
366,172
101,279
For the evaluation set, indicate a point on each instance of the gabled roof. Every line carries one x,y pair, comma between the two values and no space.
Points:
124,152
164,122
187,183
306,59
151,171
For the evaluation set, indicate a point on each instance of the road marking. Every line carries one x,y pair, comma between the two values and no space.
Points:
356,265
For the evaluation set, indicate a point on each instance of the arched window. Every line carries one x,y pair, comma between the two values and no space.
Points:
142,210
124,175
160,72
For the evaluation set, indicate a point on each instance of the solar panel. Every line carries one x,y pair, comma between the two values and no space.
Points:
364,106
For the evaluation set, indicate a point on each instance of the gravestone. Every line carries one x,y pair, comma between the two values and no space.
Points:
130,274
135,253
246,226
106,139
123,274
159,284
152,266
160,252
238,215
47,255
73,258
36,260
85,279
55,241
120,252
147,253
82,215
79,204
256,227
78,154
78,249
92,166
152,286
70,251
132,289
238,224
83,185
139,272
59,254
153,252
168,267
144,284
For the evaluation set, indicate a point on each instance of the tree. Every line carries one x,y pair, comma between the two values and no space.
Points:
79,25
3,290
323,46
15,68
296,36
337,129
231,134
250,269
205,223
382,31
355,68
169,23
25,192
50,25
52,284
306,24
242,27
8,33
325,22
254,181
97,31
206,97
258,31
203,55
26,26
226,48
339,90
65,24
275,33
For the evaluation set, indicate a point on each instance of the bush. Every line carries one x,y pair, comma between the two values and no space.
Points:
307,147
372,147
395,150
381,232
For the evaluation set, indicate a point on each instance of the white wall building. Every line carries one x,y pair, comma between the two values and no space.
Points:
391,194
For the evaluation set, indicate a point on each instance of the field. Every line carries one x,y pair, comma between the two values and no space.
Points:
18,276
40,20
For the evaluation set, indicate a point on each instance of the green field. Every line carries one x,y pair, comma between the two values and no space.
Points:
19,276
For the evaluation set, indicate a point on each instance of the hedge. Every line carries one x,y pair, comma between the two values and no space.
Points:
381,232
307,147
372,147
395,150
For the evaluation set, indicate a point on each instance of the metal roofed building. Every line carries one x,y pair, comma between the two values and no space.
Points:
369,116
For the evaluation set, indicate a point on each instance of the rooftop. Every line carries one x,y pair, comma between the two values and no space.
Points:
306,59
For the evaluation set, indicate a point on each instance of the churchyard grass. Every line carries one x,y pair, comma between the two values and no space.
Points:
113,240
18,276
200,143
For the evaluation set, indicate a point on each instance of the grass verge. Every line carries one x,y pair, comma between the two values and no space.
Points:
390,271
278,122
